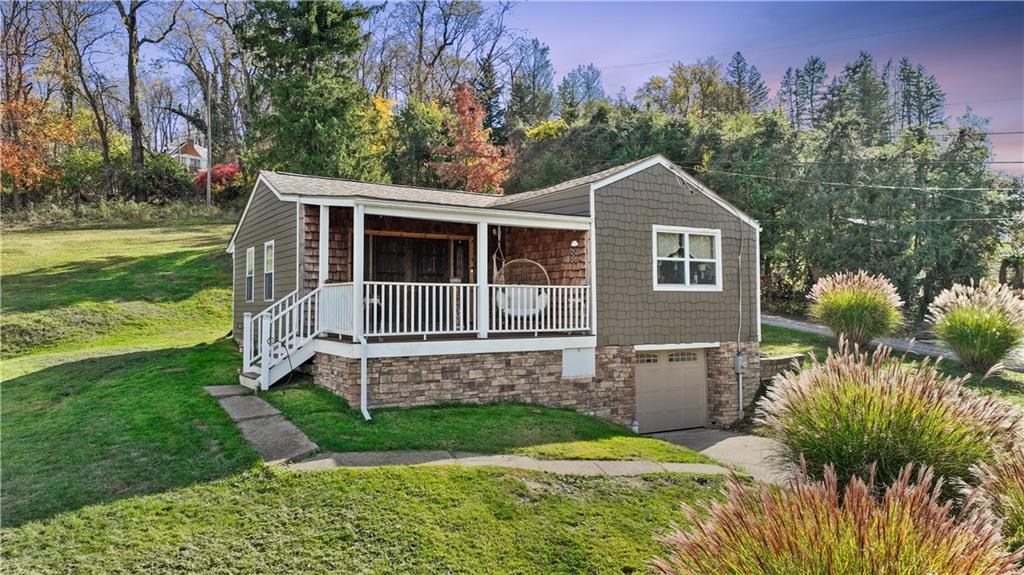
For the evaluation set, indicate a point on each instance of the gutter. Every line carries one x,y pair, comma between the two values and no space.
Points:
362,379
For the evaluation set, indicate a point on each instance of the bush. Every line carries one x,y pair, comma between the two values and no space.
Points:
857,305
1001,491
858,411
818,527
982,324
53,215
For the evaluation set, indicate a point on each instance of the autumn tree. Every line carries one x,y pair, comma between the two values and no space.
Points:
471,162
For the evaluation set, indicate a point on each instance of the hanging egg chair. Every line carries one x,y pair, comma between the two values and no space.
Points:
520,293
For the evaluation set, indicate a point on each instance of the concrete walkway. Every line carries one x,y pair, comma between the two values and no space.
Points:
751,453
1015,361
369,459
262,425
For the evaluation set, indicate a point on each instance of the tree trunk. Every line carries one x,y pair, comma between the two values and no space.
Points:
134,116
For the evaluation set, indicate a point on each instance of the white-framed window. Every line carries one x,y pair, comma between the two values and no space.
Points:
682,356
268,270
687,259
250,273
646,357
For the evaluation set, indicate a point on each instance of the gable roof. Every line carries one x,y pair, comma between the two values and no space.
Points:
288,186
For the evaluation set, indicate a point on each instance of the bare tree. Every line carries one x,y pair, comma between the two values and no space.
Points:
22,44
130,18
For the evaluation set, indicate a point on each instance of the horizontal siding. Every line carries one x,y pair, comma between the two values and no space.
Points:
571,202
629,311
268,219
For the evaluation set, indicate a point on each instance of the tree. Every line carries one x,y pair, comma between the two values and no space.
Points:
130,18
749,92
489,94
21,43
532,91
578,93
810,90
419,129
471,162
305,54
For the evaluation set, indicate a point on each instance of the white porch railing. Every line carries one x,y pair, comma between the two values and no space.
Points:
399,308
539,309
336,308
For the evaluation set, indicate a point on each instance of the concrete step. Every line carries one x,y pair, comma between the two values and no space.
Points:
249,380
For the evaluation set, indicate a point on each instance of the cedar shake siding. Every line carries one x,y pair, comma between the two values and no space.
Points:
629,310
571,202
267,218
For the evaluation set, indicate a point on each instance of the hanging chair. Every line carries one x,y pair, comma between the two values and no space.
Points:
521,295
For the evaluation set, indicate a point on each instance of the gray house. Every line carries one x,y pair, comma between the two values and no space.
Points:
632,294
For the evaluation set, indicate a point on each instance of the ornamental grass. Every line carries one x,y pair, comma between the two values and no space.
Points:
1000,490
858,412
858,306
982,323
817,527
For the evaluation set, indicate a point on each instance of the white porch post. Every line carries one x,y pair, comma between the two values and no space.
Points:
483,304
325,237
592,268
358,238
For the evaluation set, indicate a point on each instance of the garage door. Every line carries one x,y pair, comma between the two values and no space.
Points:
670,389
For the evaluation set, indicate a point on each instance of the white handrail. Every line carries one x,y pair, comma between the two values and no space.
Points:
253,328
402,308
539,309
336,309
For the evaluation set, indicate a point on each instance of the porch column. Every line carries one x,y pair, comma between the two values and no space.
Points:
483,304
325,237
358,237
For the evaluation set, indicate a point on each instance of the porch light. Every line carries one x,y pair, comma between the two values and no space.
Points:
572,251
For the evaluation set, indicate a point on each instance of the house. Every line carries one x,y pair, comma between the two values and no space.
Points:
631,294
189,154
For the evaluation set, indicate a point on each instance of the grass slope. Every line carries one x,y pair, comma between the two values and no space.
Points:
392,520
505,428
71,290
1007,385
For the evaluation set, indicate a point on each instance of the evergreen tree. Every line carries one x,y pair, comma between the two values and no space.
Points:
811,91
786,97
758,91
749,92
305,54
579,92
488,93
861,94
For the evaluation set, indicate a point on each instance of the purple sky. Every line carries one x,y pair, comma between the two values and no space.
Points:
976,50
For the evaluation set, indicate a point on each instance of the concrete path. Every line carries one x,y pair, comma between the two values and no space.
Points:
368,459
273,436
1015,361
751,453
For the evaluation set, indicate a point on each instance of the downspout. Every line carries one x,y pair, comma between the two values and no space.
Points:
740,360
362,378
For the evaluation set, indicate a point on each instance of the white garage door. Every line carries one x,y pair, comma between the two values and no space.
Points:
670,389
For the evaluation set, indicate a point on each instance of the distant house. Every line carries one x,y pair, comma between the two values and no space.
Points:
189,154
631,294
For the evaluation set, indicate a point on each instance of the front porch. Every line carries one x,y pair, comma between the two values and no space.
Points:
429,279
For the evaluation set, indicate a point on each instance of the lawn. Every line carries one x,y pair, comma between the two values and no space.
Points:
116,460
506,428
1008,385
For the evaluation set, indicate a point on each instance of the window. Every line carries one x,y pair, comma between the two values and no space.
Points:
250,270
677,356
687,259
646,357
268,271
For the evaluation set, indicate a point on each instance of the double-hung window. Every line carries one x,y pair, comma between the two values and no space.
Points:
268,271
250,271
687,259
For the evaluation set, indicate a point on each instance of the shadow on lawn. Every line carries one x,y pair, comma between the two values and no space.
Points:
105,428
168,277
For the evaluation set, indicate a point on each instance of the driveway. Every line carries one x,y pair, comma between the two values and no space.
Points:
751,453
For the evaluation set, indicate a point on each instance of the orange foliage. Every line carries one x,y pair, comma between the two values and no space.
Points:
473,162
30,132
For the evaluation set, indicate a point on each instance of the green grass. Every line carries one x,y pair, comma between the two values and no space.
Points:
1008,385
72,290
392,520
504,428
116,461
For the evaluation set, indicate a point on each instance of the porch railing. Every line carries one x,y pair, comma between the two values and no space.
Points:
253,329
336,308
539,309
399,308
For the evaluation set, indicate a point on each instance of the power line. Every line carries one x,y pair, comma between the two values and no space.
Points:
914,221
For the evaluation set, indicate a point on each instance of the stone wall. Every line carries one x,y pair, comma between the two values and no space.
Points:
529,377
723,395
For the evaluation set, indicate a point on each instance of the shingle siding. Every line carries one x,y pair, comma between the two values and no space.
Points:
571,202
268,218
629,310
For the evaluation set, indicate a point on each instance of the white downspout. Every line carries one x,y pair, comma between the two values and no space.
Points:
362,378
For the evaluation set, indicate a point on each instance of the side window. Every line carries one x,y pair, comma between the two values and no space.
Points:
268,270
682,356
646,357
250,271
687,259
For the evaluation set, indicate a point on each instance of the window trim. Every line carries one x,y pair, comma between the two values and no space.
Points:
717,233
273,259
250,274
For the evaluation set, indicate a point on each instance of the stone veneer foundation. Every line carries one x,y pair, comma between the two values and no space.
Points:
529,377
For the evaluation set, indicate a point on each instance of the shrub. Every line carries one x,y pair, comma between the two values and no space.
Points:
114,212
857,305
982,324
856,411
1001,491
817,527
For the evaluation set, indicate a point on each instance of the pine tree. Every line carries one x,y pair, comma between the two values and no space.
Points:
786,96
488,93
811,90
749,92
758,91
